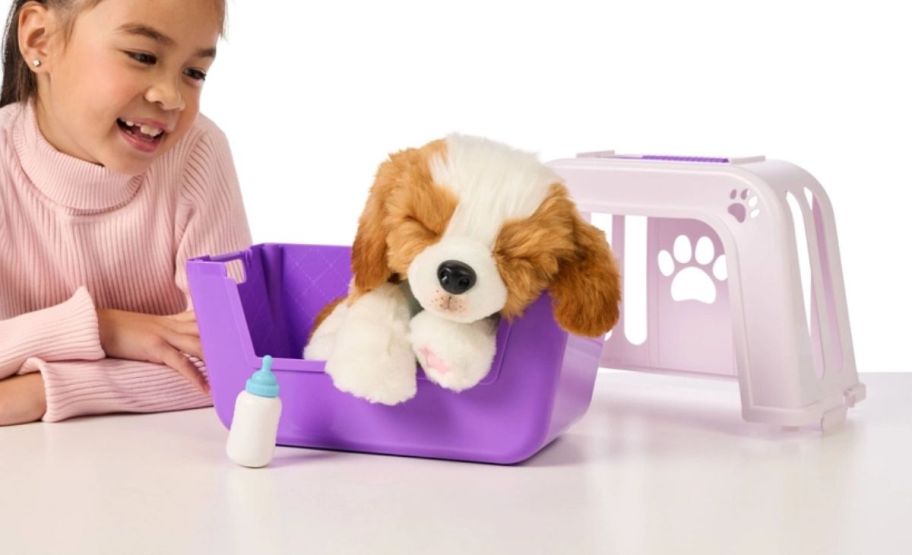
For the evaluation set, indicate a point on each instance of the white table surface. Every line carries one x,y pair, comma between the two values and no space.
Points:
659,464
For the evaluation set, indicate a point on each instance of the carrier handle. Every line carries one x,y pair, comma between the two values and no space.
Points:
227,257
219,264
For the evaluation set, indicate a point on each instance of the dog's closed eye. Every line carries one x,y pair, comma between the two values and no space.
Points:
418,214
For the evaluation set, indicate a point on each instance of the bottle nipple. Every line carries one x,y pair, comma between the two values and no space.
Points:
263,382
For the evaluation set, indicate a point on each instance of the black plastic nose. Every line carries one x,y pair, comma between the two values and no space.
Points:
455,277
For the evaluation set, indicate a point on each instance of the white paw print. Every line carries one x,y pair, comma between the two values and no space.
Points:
693,282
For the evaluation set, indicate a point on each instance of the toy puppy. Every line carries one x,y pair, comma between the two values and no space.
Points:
455,235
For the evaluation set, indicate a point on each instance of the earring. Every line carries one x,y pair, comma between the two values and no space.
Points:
36,62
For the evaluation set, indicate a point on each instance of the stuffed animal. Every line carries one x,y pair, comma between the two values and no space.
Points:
455,235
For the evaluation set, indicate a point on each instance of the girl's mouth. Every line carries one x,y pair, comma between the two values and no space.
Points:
142,137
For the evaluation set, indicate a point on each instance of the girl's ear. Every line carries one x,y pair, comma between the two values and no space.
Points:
36,26
369,251
587,289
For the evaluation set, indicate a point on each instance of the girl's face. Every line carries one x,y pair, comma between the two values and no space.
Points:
125,86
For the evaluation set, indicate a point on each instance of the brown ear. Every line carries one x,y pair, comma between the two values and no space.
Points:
587,289
369,251
393,189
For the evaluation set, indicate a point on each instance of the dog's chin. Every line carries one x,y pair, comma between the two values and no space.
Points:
456,312
463,309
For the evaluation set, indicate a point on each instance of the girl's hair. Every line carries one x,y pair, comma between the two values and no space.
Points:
18,80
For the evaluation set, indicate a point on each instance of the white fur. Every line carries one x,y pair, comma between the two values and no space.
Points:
466,350
371,356
487,296
493,183
323,339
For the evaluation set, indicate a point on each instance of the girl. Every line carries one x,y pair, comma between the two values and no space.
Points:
109,182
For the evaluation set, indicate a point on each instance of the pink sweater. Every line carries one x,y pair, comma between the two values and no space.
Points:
75,236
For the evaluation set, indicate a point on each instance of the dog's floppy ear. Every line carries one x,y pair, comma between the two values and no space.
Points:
370,268
389,201
587,288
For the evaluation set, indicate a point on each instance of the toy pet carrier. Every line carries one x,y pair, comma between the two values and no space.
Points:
540,382
731,268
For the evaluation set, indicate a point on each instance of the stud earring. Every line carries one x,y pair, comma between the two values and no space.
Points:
36,62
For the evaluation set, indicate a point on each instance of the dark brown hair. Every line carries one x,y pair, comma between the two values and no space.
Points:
18,80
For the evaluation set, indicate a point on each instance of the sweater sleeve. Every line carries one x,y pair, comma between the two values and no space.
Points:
67,331
80,388
211,218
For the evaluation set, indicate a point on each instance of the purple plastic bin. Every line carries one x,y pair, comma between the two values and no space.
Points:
540,382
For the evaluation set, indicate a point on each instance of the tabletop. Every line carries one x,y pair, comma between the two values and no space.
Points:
659,464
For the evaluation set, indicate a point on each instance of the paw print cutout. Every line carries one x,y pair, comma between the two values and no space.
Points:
692,269
738,209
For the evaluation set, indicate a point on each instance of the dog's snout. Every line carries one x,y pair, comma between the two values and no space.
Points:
456,277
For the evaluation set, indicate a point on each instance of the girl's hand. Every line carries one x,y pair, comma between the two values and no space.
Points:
150,338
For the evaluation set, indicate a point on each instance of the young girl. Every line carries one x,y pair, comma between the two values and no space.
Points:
109,181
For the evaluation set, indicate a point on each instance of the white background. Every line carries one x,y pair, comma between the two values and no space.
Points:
313,95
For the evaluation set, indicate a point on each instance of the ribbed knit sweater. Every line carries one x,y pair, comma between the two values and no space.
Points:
76,237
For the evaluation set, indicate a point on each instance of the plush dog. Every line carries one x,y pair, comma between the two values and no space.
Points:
454,235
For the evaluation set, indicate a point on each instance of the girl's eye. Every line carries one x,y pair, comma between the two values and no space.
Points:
142,57
195,74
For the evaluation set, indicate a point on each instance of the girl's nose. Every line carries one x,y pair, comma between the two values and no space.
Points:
167,95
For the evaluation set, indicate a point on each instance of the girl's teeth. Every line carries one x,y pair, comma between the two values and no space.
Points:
144,129
151,131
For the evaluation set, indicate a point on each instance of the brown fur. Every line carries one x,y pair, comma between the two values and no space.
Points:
555,248
406,212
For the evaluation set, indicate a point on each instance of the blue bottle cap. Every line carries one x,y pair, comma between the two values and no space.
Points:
263,382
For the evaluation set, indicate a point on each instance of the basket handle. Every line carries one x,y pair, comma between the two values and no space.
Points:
236,272
228,256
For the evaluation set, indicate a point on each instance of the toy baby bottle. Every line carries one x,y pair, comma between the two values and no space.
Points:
252,438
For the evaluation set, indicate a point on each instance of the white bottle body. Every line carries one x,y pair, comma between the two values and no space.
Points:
251,440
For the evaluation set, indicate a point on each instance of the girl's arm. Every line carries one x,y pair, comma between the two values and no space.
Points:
79,388
67,331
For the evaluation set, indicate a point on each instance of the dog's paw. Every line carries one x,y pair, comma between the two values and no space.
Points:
385,378
372,358
455,356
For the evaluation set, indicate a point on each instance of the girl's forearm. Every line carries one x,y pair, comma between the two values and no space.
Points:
21,399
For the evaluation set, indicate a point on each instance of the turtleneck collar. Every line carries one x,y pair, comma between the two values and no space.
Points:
64,179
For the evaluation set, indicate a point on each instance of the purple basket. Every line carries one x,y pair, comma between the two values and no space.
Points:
540,382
